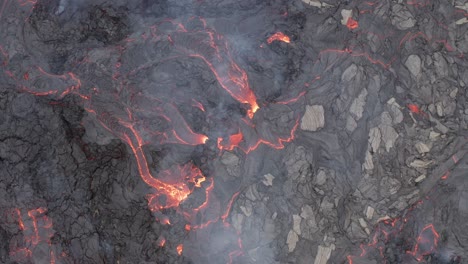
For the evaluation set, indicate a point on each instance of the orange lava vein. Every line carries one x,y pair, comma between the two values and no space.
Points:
426,242
234,141
175,193
236,83
352,24
33,236
279,36
279,144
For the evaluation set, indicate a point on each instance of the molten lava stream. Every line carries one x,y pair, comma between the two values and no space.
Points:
426,243
174,193
236,84
211,48
37,231
249,145
279,36
184,134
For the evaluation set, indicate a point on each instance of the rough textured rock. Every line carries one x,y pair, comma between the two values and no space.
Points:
323,254
357,107
389,186
313,118
389,136
413,63
422,148
402,18
291,240
268,181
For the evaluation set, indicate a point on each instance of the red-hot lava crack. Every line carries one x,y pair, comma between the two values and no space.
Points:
36,230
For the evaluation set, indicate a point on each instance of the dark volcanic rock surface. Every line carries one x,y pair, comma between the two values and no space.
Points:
356,155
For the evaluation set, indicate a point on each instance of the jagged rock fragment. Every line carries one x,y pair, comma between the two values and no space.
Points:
369,212
321,177
375,138
389,136
420,163
433,135
420,178
413,63
461,21
349,73
291,240
323,254
229,159
346,14
402,18
357,107
314,118
268,181
368,163
389,186
297,224
422,148
351,124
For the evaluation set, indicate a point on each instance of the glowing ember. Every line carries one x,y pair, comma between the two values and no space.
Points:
352,24
445,176
198,105
165,221
414,108
279,36
161,242
180,248
234,141
52,257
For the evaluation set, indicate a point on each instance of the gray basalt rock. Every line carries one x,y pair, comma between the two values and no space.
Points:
413,63
314,118
402,18
389,186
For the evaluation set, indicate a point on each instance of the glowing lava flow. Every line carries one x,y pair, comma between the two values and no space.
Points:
36,229
234,141
388,230
167,195
352,24
237,140
279,36
426,242
212,49
129,114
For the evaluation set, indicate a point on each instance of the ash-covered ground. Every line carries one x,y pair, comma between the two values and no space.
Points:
233,131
